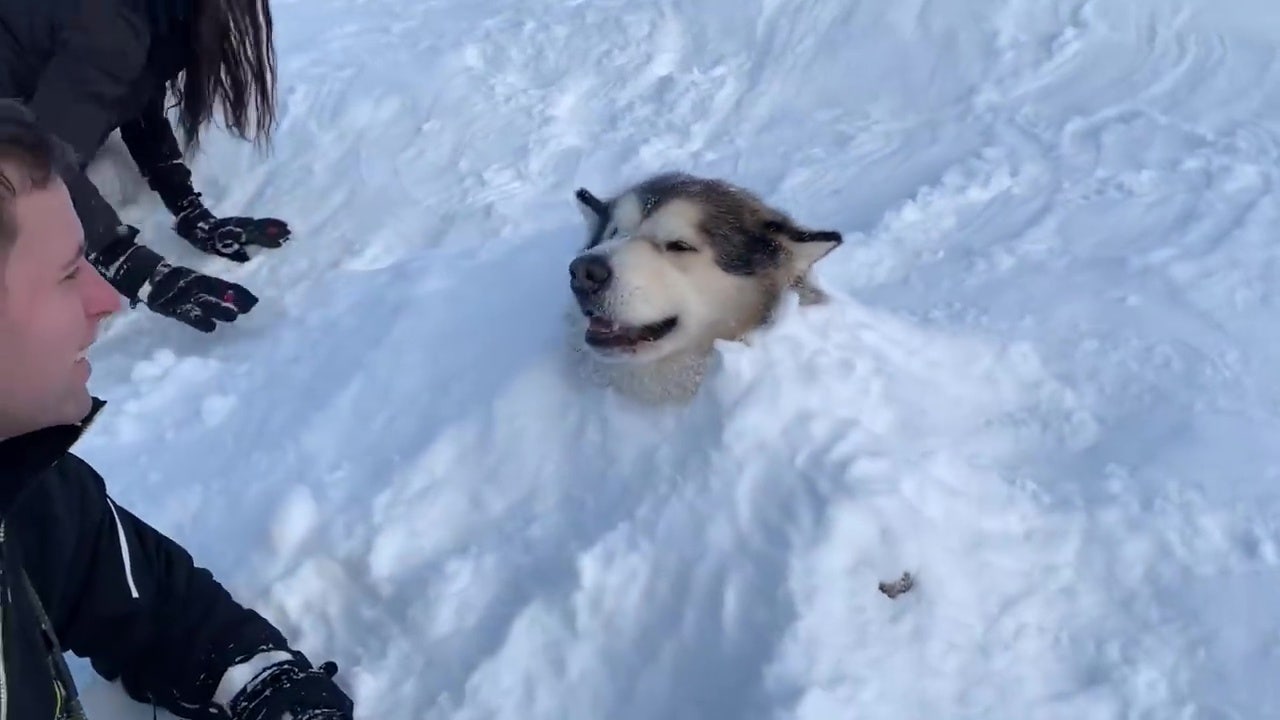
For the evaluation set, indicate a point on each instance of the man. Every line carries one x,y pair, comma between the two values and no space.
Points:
77,571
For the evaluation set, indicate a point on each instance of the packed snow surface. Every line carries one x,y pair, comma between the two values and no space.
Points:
1046,384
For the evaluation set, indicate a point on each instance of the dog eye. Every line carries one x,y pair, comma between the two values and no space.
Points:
679,246
773,226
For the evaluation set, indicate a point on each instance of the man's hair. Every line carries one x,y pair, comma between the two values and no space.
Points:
30,158
232,62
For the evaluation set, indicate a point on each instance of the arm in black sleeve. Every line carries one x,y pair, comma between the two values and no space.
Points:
135,603
110,245
99,58
154,148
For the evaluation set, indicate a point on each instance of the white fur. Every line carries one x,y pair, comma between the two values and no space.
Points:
672,378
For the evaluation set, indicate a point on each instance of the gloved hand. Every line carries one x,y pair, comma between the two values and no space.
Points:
196,299
142,275
227,237
293,690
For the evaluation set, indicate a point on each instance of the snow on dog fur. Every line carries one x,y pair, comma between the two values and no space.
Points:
675,263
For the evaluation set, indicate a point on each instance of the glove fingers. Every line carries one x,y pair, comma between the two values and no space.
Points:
199,300
236,254
267,232
239,299
228,306
192,315
216,309
206,311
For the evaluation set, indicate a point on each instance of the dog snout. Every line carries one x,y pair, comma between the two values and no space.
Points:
589,274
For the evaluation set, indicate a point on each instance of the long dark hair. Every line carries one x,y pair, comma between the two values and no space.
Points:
231,62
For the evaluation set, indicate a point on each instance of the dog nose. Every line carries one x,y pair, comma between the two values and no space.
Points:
589,274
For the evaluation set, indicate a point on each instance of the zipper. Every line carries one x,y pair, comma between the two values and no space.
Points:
4,690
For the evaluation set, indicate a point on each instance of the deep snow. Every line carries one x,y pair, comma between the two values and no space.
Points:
1046,384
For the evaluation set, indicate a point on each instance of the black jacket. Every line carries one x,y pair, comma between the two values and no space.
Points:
89,67
114,589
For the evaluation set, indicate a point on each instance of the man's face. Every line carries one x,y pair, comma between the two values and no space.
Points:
51,302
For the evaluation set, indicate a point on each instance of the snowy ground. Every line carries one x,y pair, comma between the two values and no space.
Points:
1047,385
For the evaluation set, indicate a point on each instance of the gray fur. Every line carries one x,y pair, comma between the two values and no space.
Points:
748,234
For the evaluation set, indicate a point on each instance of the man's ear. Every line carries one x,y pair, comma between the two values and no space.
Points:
809,247
593,209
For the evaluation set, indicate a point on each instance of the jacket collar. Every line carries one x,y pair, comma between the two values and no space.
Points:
24,457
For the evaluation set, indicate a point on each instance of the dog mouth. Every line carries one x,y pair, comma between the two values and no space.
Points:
605,333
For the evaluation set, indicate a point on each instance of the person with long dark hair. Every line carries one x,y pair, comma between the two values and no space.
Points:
87,68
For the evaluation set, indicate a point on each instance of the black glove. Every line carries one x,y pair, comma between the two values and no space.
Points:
196,299
293,689
142,275
227,237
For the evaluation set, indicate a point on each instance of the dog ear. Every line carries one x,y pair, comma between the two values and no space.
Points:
808,248
593,209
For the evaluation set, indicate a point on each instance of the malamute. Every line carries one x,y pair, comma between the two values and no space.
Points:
673,264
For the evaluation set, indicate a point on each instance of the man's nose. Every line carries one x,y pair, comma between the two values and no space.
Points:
100,298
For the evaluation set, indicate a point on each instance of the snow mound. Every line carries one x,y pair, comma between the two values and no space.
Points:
1044,386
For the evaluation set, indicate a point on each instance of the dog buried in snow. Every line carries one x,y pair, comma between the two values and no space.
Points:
671,265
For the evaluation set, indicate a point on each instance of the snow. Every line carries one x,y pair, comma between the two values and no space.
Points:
1045,384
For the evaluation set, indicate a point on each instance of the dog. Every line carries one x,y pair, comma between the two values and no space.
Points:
674,263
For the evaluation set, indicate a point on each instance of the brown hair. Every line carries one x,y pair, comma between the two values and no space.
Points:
233,63
30,158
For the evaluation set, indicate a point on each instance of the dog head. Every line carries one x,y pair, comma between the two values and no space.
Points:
677,261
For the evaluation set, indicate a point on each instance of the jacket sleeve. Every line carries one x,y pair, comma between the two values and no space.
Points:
154,149
102,224
100,55
134,602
